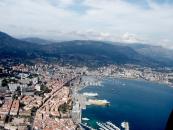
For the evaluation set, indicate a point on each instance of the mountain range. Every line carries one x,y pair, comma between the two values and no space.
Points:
37,40
159,53
84,52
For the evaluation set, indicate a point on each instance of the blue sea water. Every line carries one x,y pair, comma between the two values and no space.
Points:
145,105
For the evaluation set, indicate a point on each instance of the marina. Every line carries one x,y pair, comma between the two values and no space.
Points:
107,126
125,102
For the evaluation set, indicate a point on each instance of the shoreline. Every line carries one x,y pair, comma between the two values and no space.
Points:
158,82
91,118
81,87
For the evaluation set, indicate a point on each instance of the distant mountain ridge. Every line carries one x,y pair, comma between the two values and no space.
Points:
77,52
154,52
37,40
12,47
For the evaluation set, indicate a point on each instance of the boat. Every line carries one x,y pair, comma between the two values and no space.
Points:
90,94
109,127
125,125
98,102
112,125
85,119
102,126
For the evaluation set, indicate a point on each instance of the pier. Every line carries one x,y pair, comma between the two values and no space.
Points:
81,100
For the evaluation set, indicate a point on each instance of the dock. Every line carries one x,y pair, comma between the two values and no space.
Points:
107,126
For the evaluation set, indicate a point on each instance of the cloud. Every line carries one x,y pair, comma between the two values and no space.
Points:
89,34
151,21
130,38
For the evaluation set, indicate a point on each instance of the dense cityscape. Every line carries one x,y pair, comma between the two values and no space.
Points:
43,96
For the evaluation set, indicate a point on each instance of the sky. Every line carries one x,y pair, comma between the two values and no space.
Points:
131,21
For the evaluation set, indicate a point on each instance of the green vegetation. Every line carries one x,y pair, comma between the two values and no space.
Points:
39,93
22,105
64,108
15,97
32,76
4,83
18,91
24,116
12,80
53,117
45,89
8,118
33,110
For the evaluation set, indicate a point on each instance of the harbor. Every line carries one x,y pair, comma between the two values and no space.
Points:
121,95
82,100
106,126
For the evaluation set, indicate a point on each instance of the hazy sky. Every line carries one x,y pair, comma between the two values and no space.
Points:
148,21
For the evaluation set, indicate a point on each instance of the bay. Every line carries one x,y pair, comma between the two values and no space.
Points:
145,105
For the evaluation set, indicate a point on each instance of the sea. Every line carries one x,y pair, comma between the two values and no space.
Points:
145,105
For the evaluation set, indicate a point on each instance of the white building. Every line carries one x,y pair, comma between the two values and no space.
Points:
37,87
35,80
23,75
13,87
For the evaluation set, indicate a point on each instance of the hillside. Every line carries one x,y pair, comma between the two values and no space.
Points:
91,53
162,55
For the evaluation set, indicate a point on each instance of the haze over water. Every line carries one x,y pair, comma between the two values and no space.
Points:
145,105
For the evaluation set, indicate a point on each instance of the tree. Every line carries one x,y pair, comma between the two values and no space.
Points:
45,89
64,108
4,83
18,90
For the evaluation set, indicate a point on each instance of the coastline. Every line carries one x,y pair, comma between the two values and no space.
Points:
133,78
111,77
